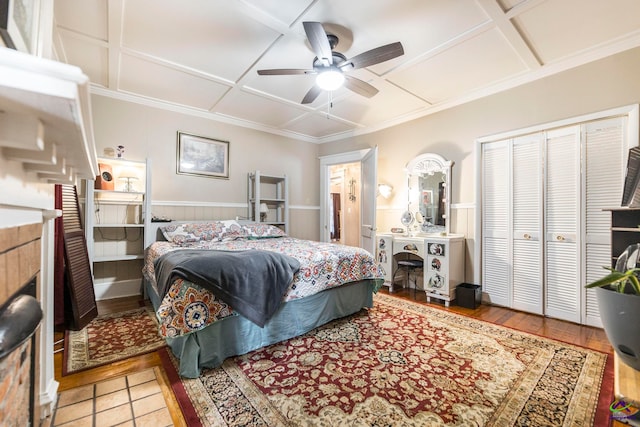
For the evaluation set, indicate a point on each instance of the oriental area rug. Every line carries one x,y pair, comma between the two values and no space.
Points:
110,338
402,364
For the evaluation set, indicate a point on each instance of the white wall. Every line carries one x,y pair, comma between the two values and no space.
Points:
151,132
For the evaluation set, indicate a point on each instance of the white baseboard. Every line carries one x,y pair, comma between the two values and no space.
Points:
120,289
48,399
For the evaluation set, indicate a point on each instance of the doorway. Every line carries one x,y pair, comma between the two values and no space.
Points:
344,206
362,189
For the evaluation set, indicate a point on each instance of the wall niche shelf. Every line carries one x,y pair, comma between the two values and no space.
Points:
117,224
268,191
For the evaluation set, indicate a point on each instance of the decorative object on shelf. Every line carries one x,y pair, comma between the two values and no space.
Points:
128,174
352,190
109,152
618,296
202,156
385,190
264,209
104,181
120,151
128,186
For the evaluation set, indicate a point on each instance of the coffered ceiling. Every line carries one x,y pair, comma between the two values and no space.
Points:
202,56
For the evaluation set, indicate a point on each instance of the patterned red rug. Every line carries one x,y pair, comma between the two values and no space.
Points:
403,364
110,338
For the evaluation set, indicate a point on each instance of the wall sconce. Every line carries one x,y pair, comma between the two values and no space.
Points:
264,209
352,190
385,190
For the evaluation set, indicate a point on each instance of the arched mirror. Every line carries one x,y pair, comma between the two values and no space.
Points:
429,192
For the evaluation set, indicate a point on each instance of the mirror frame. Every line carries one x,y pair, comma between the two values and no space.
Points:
430,163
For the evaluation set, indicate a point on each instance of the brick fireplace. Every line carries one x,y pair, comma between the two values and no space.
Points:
24,400
19,319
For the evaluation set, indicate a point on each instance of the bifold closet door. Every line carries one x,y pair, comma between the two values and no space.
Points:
496,189
562,209
606,147
527,213
545,224
512,262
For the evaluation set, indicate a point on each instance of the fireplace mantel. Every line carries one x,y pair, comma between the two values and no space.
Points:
45,118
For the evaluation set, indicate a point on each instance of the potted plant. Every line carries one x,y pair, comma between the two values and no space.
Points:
618,296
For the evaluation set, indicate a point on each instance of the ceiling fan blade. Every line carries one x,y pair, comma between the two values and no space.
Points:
284,72
375,56
360,87
311,95
318,40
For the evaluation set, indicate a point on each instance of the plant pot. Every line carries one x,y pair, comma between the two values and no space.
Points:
620,315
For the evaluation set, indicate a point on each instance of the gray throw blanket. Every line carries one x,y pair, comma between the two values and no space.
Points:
252,282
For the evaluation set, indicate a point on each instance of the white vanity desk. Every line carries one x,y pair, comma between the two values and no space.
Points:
443,258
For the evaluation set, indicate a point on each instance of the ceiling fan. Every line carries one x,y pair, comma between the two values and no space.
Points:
331,66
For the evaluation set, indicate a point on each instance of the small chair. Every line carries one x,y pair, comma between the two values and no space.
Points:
409,265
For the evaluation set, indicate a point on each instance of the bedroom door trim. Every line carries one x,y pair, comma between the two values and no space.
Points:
368,190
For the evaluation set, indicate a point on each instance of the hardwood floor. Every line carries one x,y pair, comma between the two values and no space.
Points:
585,336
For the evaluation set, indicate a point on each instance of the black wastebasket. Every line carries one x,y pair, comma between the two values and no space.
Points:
468,295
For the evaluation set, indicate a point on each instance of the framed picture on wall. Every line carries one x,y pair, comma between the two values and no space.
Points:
19,24
198,155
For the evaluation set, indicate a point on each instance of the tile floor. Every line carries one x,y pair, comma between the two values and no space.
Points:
132,400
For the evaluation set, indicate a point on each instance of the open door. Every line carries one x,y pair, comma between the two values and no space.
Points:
368,159
369,171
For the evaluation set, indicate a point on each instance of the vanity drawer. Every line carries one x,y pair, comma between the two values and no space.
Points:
414,246
437,282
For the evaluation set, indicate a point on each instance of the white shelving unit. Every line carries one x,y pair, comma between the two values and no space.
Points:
271,191
116,224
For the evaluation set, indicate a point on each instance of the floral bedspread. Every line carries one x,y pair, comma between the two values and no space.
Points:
188,307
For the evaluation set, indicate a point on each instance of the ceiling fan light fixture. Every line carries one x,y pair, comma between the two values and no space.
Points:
331,79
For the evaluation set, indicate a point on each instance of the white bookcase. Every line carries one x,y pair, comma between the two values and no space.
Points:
270,191
116,222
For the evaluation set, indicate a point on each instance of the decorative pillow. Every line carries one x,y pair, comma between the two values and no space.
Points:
230,230
257,230
179,234
188,233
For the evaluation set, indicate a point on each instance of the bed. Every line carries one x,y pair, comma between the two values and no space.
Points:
305,283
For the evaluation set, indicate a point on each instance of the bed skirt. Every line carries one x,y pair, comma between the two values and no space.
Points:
235,335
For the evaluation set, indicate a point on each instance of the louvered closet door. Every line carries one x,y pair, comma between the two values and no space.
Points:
496,270
605,158
527,258
562,288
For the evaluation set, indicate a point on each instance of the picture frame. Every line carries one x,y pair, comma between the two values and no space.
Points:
20,24
202,156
